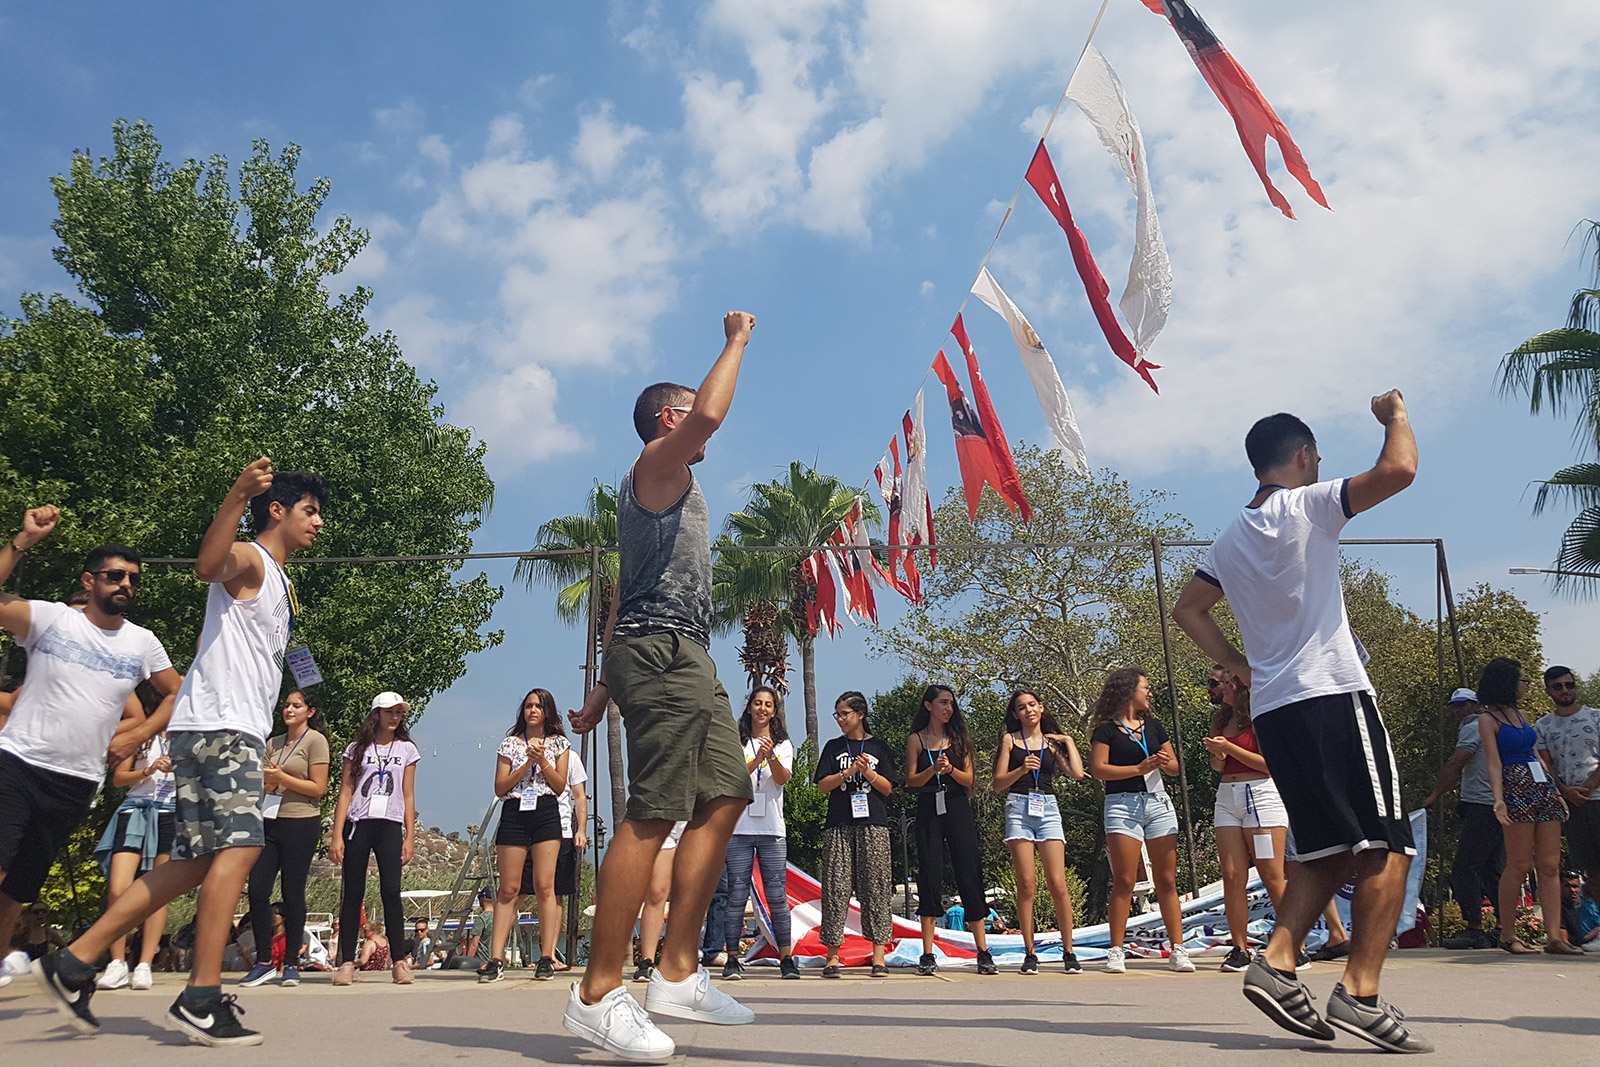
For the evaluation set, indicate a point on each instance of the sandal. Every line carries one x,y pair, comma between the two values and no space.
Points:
402,972
1557,947
1517,947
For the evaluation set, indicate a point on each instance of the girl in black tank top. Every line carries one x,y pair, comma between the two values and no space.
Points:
1033,750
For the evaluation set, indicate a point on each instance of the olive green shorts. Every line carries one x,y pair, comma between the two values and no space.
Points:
683,743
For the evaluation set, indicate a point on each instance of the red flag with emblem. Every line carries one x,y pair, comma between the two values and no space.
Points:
889,485
1005,465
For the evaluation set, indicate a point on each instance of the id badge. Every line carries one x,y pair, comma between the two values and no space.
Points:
530,799
1036,805
1153,783
302,665
1536,769
270,803
858,806
758,807
1263,845
166,790
938,802
378,806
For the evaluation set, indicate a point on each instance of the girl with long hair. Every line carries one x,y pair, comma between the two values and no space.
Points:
530,774
760,835
1129,752
856,771
1527,804
295,778
1251,823
376,815
940,768
1033,750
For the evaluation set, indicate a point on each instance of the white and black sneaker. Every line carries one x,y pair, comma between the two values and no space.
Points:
1030,964
492,970
1070,964
1286,1001
1383,1025
1238,961
545,969
70,994
211,1022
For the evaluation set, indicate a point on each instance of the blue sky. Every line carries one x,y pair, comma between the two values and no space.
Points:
564,200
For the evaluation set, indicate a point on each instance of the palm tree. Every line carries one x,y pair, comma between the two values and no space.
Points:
763,591
594,527
1560,369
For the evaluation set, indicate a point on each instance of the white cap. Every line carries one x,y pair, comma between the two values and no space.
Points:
1460,696
389,699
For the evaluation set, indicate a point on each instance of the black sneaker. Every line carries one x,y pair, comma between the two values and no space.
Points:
1238,960
880,970
1383,1025
211,1022
1302,962
1471,939
733,971
1286,1001
71,996
1328,953
986,963
788,968
1070,964
832,970
927,964
642,972
1030,964
492,971
545,969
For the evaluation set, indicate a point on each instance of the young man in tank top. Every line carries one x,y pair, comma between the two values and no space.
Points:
220,723
82,668
685,761
1314,713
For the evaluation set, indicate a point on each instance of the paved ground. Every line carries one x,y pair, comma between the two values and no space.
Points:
1477,1007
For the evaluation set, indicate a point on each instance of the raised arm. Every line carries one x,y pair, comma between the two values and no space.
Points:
36,525
668,456
222,557
1397,463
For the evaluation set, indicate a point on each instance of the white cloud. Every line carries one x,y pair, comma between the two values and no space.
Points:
434,342
601,142
432,147
402,117
514,413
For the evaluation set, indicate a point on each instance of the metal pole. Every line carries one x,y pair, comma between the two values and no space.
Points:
1450,613
1172,698
591,670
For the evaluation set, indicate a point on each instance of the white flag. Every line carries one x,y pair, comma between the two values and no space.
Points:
914,486
1041,371
1148,297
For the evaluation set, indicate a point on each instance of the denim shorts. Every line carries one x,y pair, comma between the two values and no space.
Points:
1145,816
1020,826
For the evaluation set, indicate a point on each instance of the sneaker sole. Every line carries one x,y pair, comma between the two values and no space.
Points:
108,988
594,1037
263,980
676,1011
60,1001
290,984
1273,1010
201,1037
1356,1031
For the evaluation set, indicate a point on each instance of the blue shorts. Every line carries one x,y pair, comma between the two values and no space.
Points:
1020,826
1145,816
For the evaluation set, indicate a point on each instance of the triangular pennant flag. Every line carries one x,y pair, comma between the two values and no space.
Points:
1253,117
972,448
1042,176
822,571
889,486
1010,484
914,489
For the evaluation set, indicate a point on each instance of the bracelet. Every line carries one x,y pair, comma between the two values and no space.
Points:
18,549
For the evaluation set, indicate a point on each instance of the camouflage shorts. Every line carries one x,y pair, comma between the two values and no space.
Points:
219,792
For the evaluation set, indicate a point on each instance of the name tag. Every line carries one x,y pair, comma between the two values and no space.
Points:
1036,805
270,803
530,798
378,806
1263,846
938,802
302,665
1536,769
1153,782
858,806
166,790
758,807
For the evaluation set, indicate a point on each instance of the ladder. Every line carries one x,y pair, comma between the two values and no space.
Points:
477,870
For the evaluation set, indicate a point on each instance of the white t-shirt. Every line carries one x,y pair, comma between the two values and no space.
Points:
764,815
234,680
161,786
576,776
1278,565
79,678
1573,742
515,749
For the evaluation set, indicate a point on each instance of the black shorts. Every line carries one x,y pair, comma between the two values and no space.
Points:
566,871
1333,765
166,827
1582,830
39,809
520,829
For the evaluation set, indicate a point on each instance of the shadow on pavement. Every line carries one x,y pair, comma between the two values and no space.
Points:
1539,1024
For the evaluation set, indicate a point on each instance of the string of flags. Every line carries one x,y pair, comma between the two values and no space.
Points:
847,568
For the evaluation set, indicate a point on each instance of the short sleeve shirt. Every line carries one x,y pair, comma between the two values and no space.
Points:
382,771
515,749
568,800
1124,751
483,930
769,822
837,756
1573,742
1475,775
297,760
1278,566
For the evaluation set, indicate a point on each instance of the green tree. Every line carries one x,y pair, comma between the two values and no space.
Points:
1560,369
593,527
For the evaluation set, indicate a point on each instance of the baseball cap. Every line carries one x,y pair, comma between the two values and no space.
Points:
1460,696
388,699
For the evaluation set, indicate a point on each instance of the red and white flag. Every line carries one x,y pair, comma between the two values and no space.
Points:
1005,465
1253,117
854,576
890,479
973,454
916,507
821,612
1042,176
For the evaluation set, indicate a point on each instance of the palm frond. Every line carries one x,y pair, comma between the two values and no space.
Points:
1578,484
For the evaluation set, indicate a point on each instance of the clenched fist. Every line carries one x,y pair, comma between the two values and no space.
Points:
738,324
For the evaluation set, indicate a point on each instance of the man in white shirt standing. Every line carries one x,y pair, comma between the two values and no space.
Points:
220,723
1570,739
82,667
1314,712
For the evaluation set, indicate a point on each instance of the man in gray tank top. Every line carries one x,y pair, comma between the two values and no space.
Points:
685,761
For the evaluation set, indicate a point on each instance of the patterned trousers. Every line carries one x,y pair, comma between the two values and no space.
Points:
856,861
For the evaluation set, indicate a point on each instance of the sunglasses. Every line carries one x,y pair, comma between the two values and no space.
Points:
1212,683
116,575
679,410
1561,685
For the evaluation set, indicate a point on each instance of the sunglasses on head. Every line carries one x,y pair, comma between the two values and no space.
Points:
115,575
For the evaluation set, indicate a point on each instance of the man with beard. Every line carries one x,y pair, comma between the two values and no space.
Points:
82,668
1570,738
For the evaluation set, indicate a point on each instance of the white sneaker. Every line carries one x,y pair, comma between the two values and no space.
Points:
1179,960
5,980
116,976
695,998
16,963
618,1025
142,978
1116,961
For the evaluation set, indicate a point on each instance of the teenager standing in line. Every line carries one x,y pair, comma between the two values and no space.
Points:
1527,804
138,838
1129,752
1251,823
940,768
1033,750
295,778
760,837
219,728
530,774
376,815
856,771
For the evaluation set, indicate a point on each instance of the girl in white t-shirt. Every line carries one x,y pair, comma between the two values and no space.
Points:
759,836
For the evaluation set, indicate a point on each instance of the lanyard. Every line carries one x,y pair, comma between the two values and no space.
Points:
855,755
753,741
1138,738
1030,752
934,757
288,588
381,759
282,755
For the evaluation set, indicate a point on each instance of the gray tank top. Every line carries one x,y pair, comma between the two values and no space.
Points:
665,583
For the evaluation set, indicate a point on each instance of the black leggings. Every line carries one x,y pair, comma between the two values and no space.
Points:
956,833
291,845
362,840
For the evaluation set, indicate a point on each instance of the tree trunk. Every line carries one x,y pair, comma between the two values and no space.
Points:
619,783
808,678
